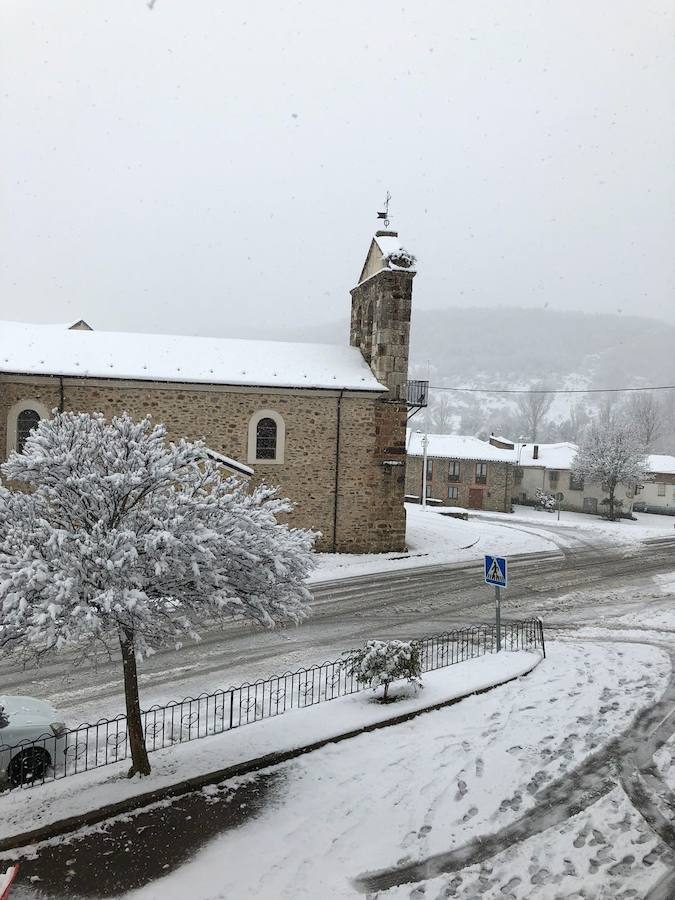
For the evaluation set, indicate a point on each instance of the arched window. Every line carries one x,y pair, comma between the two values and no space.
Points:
25,423
266,437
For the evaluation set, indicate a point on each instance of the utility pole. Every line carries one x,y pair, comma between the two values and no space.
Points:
425,445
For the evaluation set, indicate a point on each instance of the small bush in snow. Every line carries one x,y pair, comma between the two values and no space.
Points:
381,662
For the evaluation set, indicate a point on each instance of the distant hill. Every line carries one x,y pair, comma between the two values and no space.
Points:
516,348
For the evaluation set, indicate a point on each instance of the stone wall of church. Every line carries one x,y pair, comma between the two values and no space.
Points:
370,512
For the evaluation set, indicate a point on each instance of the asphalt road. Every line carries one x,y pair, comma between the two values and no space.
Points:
404,604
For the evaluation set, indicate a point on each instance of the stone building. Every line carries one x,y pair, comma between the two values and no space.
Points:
324,422
461,471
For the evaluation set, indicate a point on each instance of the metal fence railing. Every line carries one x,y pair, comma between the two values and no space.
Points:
92,745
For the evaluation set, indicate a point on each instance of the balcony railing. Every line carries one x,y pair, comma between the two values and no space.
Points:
417,394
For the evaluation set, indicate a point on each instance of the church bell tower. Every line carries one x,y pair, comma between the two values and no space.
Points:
381,308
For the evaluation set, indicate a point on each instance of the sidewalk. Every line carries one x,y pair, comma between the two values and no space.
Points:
28,816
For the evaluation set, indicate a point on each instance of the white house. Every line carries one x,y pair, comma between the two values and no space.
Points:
547,467
657,494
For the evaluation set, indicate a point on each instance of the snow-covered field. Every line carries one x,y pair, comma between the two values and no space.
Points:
398,797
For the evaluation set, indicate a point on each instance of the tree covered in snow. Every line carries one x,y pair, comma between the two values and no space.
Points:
381,662
611,453
123,538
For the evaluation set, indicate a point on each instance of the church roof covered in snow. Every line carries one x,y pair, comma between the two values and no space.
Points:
31,349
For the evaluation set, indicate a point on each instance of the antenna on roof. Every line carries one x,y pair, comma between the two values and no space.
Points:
384,214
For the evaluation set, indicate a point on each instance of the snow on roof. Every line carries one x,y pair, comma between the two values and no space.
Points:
660,464
229,463
456,446
31,349
551,456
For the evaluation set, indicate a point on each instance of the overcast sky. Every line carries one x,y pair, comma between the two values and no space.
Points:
200,167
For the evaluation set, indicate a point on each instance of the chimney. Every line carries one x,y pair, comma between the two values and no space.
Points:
535,451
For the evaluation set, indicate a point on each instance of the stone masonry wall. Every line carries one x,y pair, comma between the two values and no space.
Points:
496,492
370,512
380,326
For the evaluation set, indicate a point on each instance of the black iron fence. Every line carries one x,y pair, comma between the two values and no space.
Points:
90,746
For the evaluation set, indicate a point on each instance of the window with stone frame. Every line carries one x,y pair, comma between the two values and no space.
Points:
553,478
453,493
481,473
26,421
454,470
266,439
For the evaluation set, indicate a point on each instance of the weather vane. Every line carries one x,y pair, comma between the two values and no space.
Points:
384,214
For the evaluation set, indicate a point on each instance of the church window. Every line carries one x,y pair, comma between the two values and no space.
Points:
22,418
25,423
266,437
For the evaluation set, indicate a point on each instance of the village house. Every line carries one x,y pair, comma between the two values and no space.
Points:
461,471
657,494
324,422
547,467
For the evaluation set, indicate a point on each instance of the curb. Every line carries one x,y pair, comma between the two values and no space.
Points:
93,817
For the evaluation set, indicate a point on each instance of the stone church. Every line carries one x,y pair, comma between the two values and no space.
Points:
324,422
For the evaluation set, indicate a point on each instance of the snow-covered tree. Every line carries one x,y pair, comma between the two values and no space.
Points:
381,662
123,538
611,453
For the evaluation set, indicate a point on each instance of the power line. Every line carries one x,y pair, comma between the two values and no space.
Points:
660,387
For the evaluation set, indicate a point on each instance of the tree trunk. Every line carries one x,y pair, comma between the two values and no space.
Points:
611,502
386,691
139,755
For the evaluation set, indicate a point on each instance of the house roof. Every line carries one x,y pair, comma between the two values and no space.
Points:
551,456
32,349
660,464
456,446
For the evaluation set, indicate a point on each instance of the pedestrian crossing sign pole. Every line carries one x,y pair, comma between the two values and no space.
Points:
495,573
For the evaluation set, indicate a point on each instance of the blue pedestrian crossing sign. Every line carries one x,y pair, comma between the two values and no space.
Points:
495,571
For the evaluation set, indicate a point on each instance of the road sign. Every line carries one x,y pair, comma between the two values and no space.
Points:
495,571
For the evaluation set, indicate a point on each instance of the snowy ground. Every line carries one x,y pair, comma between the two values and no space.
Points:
434,538
24,810
419,791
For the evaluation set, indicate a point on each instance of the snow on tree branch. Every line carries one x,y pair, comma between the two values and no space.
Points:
124,530
611,454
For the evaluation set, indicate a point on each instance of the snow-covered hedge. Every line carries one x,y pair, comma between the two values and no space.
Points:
381,662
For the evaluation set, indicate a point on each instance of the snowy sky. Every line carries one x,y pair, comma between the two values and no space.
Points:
199,167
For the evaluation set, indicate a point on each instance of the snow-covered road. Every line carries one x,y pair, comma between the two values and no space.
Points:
549,821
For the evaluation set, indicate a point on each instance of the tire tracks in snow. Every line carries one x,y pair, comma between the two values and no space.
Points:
626,760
